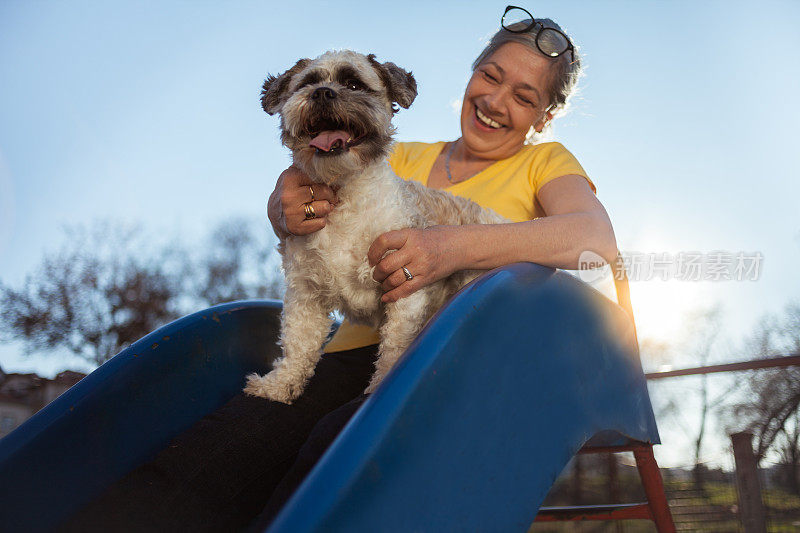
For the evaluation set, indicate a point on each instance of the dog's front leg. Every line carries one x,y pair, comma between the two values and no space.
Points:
403,321
305,323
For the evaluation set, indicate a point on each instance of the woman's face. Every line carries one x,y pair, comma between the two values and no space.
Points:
506,95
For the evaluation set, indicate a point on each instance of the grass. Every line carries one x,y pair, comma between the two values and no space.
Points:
718,499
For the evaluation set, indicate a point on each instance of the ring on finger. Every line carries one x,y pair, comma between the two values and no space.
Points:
309,209
409,275
311,190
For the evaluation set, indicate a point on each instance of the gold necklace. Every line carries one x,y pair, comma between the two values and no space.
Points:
447,165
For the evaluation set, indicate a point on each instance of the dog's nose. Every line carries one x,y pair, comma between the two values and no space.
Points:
323,93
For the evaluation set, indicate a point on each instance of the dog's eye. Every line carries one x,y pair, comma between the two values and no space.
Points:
353,85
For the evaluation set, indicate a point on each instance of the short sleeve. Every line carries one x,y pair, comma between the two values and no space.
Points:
350,336
551,161
397,158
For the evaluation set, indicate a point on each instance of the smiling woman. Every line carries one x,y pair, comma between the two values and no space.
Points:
504,105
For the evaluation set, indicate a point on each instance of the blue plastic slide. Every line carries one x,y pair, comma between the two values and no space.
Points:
467,433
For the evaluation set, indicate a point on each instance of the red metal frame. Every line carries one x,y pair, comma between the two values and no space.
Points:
773,362
654,488
655,508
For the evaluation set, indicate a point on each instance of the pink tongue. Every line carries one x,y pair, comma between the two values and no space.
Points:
325,140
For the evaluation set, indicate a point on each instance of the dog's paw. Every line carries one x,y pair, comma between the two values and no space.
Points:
272,387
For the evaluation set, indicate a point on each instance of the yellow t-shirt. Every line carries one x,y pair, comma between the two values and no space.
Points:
508,186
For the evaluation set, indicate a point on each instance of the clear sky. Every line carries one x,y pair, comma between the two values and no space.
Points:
149,111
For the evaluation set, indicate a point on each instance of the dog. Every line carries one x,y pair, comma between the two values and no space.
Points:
336,118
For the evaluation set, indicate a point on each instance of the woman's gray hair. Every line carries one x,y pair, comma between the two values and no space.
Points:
565,72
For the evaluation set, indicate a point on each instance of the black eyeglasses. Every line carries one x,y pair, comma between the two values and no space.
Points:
550,41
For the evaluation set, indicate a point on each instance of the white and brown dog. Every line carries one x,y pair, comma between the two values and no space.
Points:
336,114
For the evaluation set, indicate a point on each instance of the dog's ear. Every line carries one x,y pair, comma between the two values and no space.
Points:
273,92
400,84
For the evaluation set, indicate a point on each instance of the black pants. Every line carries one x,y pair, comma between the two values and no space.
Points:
251,452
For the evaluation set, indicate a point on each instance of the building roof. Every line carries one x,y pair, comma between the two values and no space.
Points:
25,388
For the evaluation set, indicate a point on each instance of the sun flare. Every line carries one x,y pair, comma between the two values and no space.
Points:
660,306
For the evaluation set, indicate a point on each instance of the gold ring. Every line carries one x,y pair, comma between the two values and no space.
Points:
309,209
409,275
311,190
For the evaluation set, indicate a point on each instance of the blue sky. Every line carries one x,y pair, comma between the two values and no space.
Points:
149,112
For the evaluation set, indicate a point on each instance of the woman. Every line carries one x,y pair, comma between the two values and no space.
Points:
520,80
219,474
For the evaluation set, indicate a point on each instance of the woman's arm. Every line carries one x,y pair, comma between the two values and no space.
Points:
575,222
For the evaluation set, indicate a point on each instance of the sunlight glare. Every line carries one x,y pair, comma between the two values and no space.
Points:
660,306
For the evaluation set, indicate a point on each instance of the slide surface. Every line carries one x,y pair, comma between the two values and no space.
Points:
123,413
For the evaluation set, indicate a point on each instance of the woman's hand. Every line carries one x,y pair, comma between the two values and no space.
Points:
286,206
428,254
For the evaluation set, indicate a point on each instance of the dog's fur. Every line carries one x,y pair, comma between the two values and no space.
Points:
328,269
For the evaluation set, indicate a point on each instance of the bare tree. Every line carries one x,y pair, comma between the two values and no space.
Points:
789,450
770,408
236,264
706,325
110,285
90,297
700,344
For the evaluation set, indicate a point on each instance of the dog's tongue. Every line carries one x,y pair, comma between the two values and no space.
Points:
325,140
